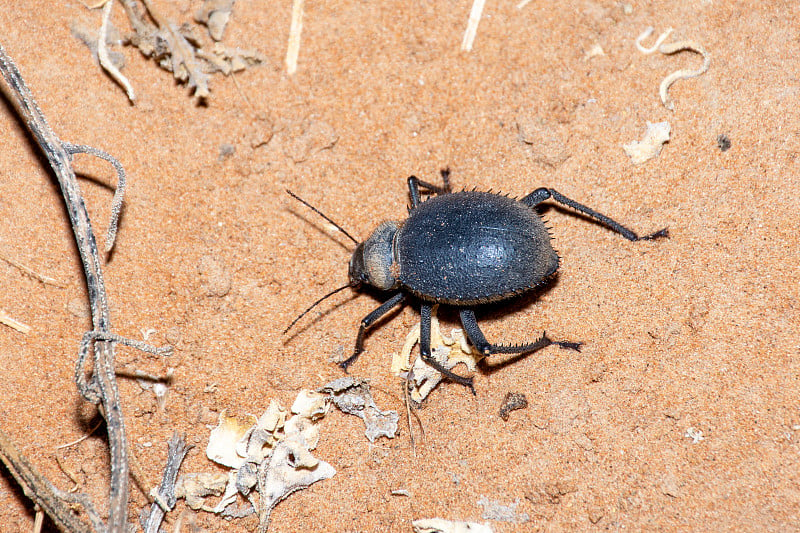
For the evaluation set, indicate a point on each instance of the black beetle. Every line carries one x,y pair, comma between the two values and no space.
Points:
461,249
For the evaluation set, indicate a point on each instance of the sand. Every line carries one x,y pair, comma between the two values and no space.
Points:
681,412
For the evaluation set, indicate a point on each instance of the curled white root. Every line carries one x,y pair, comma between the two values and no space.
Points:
668,49
683,74
645,34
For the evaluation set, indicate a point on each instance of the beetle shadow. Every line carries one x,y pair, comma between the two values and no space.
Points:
299,330
103,184
498,311
321,230
375,294
379,297
543,208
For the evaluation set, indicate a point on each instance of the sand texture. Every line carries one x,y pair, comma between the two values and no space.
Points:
680,413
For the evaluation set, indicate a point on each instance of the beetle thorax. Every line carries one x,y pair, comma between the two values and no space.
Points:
373,259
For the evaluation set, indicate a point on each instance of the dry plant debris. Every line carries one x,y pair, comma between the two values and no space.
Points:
695,434
495,510
54,502
512,402
101,386
447,350
215,14
270,454
194,488
32,273
440,525
13,323
165,498
472,25
282,477
295,29
650,146
352,396
158,385
669,49
224,439
104,58
175,48
594,51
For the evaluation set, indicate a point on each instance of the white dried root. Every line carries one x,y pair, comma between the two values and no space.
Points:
13,323
669,49
104,58
682,74
295,29
645,34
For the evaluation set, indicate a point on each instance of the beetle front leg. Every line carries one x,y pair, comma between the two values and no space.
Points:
486,348
425,350
366,322
540,195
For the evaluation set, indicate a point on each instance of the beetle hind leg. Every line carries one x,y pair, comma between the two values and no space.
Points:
540,195
415,184
483,346
542,342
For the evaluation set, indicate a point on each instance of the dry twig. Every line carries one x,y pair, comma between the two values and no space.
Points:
105,60
13,323
104,377
101,388
32,273
165,497
472,25
296,28
36,487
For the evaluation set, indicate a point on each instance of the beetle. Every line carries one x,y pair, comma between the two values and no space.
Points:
461,249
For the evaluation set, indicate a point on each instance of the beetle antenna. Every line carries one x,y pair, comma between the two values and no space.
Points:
312,306
323,215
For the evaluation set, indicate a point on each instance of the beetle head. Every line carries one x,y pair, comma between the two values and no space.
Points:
372,261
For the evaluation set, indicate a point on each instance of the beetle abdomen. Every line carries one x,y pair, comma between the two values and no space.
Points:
473,247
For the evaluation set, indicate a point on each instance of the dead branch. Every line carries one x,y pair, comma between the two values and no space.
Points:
102,386
38,488
165,497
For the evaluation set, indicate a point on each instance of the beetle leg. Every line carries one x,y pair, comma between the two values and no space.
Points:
445,172
366,322
425,349
414,184
540,195
486,348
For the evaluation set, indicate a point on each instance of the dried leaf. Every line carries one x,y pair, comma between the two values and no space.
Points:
353,397
223,439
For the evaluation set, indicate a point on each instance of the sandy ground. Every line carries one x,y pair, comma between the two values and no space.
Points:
693,336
